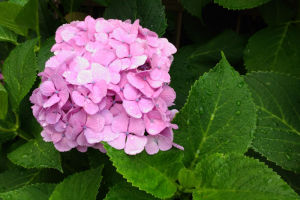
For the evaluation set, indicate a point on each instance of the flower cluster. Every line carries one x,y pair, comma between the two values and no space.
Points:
107,81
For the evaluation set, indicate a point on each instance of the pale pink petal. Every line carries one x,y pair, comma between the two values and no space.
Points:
135,144
136,126
137,61
100,73
132,108
120,123
51,101
47,88
108,134
78,98
119,142
90,107
107,116
95,122
145,105
130,93
151,146
84,77
92,136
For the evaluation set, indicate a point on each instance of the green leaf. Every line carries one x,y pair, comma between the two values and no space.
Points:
195,6
3,102
186,178
277,12
19,70
240,4
19,2
192,61
12,179
8,14
45,53
79,186
154,174
31,192
28,16
7,35
219,115
277,99
36,154
126,191
237,177
150,13
274,49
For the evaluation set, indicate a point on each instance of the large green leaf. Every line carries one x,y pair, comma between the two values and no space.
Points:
229,177
151,13
7,35
277,12
3,102
195,6
124,191
79,186
154,174
13,179
36,154
192,61
240,4
8,14
277,98
274,49
28,16
219,115
31,192
45,53
19,70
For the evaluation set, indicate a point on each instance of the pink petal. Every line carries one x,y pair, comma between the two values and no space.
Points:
92,137
164,143
64,96
120,123
130,93
90,107
62,145
132,108
81,140
52,117
51,101
160,75
168,95
119,142
95,122
56,137
78,98
46,136
82,149
100,73
151,146
47,88
135,144
104,57
136,49
136,126
107,116
137,61
108,134
84,77
135,81
145,105
99,91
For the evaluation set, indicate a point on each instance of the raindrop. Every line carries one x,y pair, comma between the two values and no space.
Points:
268,83
288,156
188,122
238,103
201,110
238,112
241,84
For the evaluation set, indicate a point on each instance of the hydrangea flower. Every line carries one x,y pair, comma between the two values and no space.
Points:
108,81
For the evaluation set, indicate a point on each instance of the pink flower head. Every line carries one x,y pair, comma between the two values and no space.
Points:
107,82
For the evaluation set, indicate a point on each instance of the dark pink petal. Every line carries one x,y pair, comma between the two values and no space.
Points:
47,88
52,117
62,145
168,95
51,101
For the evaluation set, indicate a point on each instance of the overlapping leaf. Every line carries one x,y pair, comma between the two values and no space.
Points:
154,174
7,35
19,70
237,177
150,13
277,98
219,115
3,102
275,49
36,154
240,4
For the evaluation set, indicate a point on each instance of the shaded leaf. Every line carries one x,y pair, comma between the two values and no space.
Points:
7,35
3,102
277,99
155,174
31,192
195,6
45,53
28,16
219,115
237,177
240,4
274,49
150,13
79,186
19,71
36,154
